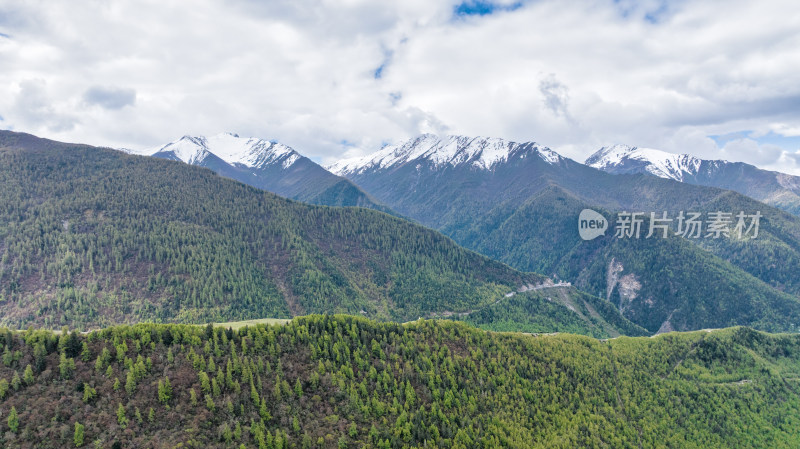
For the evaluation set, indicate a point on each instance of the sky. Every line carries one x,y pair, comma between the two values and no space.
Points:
334,79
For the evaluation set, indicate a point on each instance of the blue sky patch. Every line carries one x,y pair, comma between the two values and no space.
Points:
790,143
379,71
653,14
482,8
387,59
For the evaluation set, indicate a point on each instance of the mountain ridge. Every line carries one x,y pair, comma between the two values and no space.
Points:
453,150
524,212
777,189
131,238
267,165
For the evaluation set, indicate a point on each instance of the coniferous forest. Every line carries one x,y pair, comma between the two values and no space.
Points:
92,237
133,255
452,224
341,381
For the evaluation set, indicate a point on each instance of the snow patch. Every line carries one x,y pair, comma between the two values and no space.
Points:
241,151
656,162
482,153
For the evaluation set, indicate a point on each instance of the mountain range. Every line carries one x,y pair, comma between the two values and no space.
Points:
519,203
170,241
774,188
268,165
93,237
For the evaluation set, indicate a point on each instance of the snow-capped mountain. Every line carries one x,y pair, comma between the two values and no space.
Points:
628,159
519,203
426,176
234,150
268,165
776,189
481,153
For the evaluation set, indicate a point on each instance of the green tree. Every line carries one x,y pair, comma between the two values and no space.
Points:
66,366
298,388
86,355
78,435
3,388
28,375
130,383
164,391
13,420
89,393
122,420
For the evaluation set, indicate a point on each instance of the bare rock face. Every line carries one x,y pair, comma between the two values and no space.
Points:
628,284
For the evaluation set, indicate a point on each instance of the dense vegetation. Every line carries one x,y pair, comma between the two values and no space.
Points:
554,310
524,212
679,283
91,237
324,381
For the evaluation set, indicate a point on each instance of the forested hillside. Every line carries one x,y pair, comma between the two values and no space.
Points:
667,284
337,381
92,237
270,166
522,209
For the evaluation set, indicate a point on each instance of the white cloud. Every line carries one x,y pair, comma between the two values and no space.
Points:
110,97
663,74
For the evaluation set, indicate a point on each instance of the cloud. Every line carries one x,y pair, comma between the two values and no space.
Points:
316,73
556,95
110,97
34,105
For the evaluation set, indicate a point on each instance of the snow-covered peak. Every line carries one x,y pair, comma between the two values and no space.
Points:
479,152
656,162
609,156
235,150
191,150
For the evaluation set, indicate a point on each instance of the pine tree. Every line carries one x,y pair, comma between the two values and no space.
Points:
130,383
298,388
28,375
89,393
3,388
13,420
78,436
122,420
85,353
66,366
